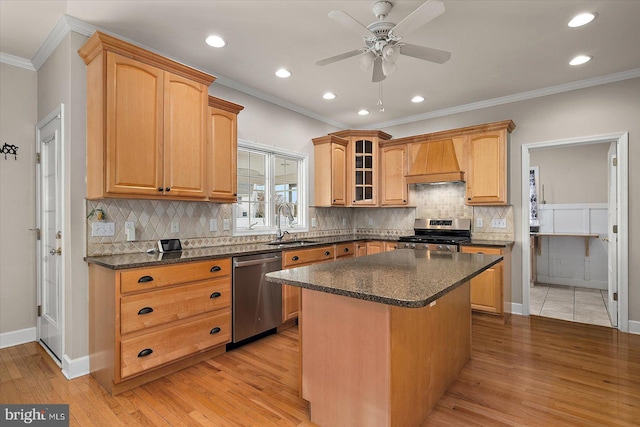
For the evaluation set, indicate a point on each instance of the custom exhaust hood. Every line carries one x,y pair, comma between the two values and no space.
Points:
435,161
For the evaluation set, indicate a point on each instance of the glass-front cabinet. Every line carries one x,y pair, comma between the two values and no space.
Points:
363,169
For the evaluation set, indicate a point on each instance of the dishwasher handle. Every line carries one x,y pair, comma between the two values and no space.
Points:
256,261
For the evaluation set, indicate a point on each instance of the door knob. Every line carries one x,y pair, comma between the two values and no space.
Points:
55,251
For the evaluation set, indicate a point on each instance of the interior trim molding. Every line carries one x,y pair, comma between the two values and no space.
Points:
634,327
13,338
516,308
522,96
74,368
16,61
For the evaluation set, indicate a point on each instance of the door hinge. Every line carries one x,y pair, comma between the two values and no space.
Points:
615,161
38,158
615,229
38,233
615,296
39,310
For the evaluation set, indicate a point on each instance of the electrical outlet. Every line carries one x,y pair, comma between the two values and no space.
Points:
370,221
344,221
175,226
226,225
103,229
499,223
479,223
314,222
213,224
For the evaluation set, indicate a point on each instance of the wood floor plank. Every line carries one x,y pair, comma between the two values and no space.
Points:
530,371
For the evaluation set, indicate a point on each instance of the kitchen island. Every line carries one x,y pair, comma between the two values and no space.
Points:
383,336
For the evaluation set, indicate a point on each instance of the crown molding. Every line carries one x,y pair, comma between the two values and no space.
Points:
523,96
16,61
64,25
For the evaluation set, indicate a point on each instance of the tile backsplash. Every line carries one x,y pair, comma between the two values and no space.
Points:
153,220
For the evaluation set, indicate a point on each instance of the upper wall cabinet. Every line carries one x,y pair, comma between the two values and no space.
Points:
330,164
146,123
362,165
223,148
393,184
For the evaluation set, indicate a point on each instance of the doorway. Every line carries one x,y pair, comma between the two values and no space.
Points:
617,242
49,223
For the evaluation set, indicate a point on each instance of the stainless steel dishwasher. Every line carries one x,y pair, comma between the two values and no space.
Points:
257,304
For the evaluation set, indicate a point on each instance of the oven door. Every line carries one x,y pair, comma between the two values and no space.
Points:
429,246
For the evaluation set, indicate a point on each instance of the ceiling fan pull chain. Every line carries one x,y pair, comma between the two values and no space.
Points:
380,103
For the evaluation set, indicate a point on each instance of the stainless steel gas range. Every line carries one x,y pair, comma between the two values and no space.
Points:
437,235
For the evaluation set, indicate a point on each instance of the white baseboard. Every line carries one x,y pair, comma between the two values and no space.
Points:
9,339
516,308
74,368
634,327
564,281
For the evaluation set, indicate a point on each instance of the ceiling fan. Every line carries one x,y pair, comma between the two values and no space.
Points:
383,39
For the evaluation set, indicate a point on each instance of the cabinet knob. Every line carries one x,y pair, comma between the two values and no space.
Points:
404,201
145,352
468,198
159,188
167,189
295,258
215,268
215,295
145,310
346,249
327,253
215,330
145,279
235,194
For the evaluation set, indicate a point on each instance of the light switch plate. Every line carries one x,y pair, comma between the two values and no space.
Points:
213,224
479,223
314,222
499,223
344,221
103,229
175,226
370,221
226,225
130,231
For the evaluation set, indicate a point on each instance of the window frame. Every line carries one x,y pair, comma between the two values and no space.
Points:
271,152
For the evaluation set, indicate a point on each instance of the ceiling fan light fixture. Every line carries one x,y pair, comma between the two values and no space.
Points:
580,59
329,95
417,99
363,112
215,41
390,53
582,19
366,60
388,67
283,73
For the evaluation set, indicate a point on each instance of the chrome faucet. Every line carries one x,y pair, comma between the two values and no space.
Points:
288,211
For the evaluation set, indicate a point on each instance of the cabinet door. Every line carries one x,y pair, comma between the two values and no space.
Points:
134,127
222,155
185,122
487,169
486,290
361,249
364,164
338,174
290,302
374,247
390,246
393,185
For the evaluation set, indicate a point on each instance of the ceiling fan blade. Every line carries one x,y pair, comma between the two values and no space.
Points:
429,10
340,57
348,21
426,53
378,74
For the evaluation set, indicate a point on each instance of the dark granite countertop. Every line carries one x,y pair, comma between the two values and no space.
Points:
142,259
490,243
404,277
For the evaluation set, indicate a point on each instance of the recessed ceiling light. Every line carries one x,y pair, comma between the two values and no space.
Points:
416,99
580,59
363,112
582,19
215,41
283,73
329,95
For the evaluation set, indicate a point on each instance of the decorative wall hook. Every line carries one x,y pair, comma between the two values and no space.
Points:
11,150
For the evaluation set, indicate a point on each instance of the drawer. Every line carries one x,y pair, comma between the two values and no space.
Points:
157,348
481,250
306,256
149,309
345,250
141,279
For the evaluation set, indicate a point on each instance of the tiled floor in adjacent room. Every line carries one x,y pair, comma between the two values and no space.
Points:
570,303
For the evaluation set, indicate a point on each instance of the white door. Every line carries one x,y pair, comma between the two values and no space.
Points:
49,205
612,246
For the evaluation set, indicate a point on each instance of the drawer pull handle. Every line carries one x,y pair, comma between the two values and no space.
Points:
215,268
145,310
346,249
145,352
295,258
145,279
327,253
159,188
215,330
167,189
215,295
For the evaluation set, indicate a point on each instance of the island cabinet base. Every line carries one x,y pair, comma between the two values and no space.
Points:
371,364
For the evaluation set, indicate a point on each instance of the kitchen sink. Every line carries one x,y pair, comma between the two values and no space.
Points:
288,243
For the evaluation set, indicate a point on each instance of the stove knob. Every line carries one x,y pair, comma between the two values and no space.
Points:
413,245
440,248
448,248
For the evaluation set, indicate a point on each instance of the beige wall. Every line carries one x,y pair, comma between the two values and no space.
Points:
17,207
574,174
599,110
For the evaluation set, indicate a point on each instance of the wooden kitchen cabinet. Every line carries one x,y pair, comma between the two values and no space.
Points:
390,246
491,289
345,250
146,123
487,160
361,249
375,247
223,150
393,184
435,161
147,322
330,165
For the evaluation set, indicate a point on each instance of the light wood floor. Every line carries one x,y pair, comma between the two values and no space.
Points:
532,371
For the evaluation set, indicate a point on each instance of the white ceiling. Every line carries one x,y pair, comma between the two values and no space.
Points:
499,48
